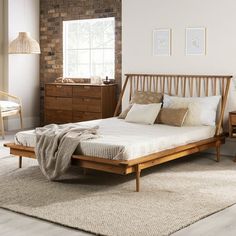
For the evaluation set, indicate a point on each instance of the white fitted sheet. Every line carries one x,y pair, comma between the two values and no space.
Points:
120,140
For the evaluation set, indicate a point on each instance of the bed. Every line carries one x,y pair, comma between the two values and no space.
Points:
125,148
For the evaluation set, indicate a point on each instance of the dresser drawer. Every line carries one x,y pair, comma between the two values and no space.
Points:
58,116
83,116
233,119
87,104
58,90
87,91
56,103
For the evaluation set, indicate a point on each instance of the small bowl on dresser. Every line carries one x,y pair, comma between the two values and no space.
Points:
106,81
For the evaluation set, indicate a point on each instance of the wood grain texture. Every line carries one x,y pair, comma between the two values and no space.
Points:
128,167
66,103
184,85
232,123
179,85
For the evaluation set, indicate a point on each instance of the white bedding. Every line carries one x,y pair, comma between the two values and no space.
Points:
120,140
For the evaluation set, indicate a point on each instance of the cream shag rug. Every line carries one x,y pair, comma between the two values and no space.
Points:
172,196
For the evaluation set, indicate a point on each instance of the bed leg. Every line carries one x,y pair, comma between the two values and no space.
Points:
218,152
138,171
20,161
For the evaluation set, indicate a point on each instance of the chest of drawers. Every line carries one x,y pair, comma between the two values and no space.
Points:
66,103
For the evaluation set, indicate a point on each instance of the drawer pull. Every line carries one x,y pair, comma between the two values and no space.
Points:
86,87
58,86
86,99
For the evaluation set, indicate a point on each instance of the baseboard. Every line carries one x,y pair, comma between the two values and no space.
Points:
228,149
28,123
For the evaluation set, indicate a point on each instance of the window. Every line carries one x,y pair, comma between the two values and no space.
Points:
89,48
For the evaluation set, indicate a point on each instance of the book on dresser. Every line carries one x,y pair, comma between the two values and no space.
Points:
65,103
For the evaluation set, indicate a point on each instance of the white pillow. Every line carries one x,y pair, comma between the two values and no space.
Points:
143,113
202,110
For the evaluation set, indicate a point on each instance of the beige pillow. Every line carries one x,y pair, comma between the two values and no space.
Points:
143,113
172,116
140,97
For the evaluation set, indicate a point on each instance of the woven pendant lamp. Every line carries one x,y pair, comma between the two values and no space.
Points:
24,44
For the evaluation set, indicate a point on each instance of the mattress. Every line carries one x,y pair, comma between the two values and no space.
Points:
120,140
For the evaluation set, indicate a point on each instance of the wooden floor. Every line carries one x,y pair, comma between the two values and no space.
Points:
219,224
12,224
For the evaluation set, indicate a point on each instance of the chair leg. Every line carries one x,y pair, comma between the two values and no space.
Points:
21,120
218,152
20,161
2,127
138,172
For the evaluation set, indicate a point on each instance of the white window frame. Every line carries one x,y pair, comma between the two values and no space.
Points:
65,49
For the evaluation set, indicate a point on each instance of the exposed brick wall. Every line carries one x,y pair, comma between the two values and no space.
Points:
52,15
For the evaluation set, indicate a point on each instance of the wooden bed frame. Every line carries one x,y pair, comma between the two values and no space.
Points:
179,85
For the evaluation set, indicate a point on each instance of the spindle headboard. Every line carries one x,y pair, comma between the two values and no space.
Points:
179,85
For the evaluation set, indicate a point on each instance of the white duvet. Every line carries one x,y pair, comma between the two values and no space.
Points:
120,140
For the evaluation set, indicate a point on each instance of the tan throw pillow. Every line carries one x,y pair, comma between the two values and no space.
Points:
140,97
172,116
201,110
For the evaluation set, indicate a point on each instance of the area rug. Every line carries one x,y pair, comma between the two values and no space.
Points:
173,195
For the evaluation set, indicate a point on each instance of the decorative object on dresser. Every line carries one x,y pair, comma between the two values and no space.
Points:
64,80
65,103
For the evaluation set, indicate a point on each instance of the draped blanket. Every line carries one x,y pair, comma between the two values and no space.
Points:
55,144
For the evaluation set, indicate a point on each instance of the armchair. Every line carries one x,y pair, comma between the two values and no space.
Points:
9,108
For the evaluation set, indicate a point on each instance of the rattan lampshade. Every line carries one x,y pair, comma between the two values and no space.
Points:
24,44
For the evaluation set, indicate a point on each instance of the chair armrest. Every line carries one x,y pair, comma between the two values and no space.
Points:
11,96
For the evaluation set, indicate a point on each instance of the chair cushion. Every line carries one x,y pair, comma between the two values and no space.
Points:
9,106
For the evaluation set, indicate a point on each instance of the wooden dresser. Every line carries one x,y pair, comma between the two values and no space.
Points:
66,103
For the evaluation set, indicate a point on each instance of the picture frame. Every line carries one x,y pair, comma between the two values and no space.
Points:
195,41
162,42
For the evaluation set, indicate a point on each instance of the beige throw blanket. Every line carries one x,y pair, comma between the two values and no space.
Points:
55,145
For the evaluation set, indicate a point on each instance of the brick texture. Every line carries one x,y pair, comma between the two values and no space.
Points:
52,15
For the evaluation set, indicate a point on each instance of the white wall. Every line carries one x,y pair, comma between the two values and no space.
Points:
141,17
1,43
23,70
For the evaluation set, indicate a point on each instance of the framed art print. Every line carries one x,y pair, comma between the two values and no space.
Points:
195,44
162,42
